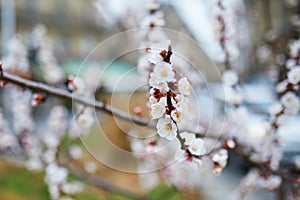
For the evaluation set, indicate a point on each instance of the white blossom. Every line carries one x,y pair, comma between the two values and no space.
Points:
52,73
184,86
189,137
221,158
16,59
281,120
49,155
296,161
34,164
163,72
156,47
156,19
80,86
290,101
232,96
72,188
155,82
75,152
217,170
281,87
272,182
90,167
230,78
275,108
54,191
197,147
291,111
86,119
177,115
7,140
57,121
155,56
183,106
294,75
55,174
290,63
149,180
295,48
166,128
158,109
230,143
152,99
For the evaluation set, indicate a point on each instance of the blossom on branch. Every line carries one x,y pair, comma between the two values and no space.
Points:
166,128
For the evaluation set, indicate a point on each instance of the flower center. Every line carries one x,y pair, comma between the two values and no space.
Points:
169,127
177,114
164,73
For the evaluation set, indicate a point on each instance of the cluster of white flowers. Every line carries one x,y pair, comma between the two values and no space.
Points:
230,81
289,100
39,156
225,29
169,105
52,73
151,157
195,145
23,125
168,100
56,176
59,187
291,103
220,161
21,109
18,101
84,117
7,139
255,180
295,49
152,37
57,126
155,17
145,152
230,77
16,59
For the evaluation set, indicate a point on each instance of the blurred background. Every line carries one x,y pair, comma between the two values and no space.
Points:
75,28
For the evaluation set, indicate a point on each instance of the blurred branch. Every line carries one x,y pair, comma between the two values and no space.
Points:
102,183
286,171
98,105
282,192
61,93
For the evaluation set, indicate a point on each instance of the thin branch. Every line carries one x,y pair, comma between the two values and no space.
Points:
60,93
98,105
102,183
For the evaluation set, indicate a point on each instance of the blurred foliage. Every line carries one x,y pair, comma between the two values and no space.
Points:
16,183
165,192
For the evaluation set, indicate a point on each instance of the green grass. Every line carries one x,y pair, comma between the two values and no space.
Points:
19,184
23,183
